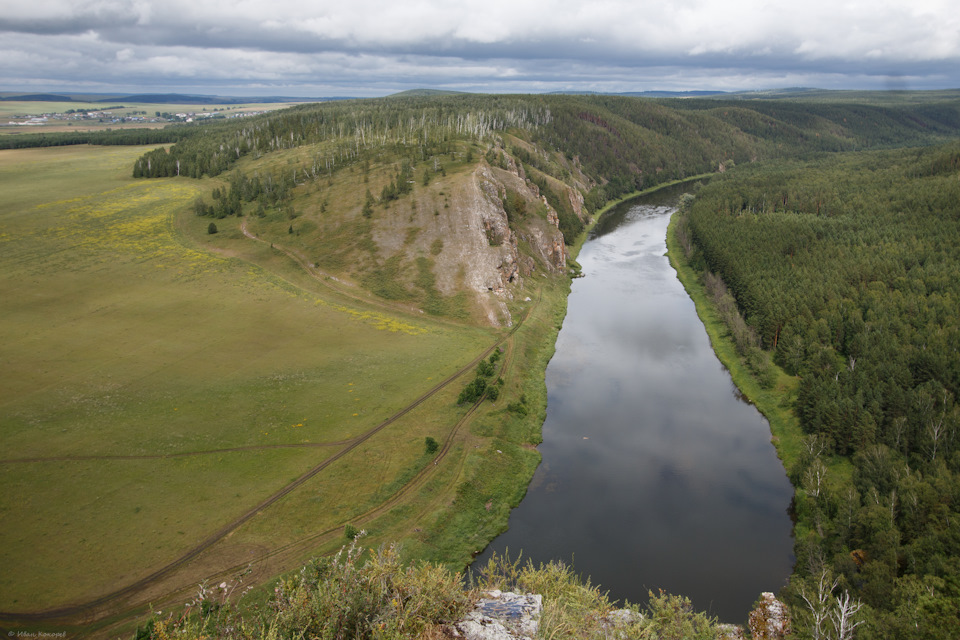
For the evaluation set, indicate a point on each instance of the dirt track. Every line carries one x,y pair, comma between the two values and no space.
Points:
118,601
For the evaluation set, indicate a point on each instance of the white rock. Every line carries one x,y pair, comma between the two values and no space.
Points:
503,616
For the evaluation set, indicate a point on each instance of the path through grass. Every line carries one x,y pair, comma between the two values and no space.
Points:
121,339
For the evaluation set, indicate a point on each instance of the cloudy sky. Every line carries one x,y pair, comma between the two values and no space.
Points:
322,48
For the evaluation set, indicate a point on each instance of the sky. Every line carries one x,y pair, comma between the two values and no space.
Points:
364,48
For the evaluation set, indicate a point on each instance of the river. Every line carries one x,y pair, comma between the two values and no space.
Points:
655,474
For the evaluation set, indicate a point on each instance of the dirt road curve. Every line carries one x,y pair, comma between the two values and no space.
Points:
105,605
108,604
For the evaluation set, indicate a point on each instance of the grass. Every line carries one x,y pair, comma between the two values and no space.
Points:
371,593
136,340
123,338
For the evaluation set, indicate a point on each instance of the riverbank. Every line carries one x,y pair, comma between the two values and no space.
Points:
626,441
519,429
774,403
575,248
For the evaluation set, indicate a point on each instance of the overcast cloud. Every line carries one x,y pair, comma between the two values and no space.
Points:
374,47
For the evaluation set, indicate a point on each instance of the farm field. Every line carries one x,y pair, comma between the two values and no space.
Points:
154,392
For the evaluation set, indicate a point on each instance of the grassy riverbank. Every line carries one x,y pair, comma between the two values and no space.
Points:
774,398
774,402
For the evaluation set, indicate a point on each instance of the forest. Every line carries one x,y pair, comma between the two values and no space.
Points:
624,144
168,134
846,269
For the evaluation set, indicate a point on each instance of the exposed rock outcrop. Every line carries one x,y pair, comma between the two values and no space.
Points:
769,620
502,616
484,254
576,203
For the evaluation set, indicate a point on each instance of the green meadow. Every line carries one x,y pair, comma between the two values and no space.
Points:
156,385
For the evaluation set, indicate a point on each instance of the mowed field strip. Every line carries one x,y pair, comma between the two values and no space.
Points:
152,393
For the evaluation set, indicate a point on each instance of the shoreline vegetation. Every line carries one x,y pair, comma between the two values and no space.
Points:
833,307
773,403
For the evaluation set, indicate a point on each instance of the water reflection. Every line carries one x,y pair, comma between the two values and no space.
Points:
654,475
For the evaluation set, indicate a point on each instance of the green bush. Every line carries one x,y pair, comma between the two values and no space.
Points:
485,369
473,391
575,608
347,596
332,598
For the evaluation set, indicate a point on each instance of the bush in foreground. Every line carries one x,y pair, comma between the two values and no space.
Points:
378,598
338,597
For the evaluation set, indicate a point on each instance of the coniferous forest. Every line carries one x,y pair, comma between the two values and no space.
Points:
846,269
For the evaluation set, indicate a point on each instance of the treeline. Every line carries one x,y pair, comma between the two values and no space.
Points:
628,144
834,126
348,130
108,137
625,144
847,268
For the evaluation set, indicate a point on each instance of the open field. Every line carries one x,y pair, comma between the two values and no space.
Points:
153,392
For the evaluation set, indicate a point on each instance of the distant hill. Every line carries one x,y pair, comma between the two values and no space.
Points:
644,94
179,98
673,94
38,97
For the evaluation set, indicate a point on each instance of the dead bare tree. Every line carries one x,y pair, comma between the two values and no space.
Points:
832,617
844,616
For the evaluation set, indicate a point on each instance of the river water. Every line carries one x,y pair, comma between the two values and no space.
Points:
655,475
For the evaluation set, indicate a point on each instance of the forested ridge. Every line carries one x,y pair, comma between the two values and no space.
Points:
624,143
846,268
169,134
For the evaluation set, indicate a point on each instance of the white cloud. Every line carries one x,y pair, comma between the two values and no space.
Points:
498,44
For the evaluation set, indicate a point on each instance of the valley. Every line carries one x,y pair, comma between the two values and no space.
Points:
227,351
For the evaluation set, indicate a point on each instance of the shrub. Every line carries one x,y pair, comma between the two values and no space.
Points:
431,444
341,597
575,608
211,228
473,391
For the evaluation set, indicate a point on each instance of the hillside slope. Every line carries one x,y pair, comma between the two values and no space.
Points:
446,204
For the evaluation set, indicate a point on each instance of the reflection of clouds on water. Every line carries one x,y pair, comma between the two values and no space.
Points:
675,477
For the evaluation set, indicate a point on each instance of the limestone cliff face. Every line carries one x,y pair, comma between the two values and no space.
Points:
481,250
576,203
542,235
